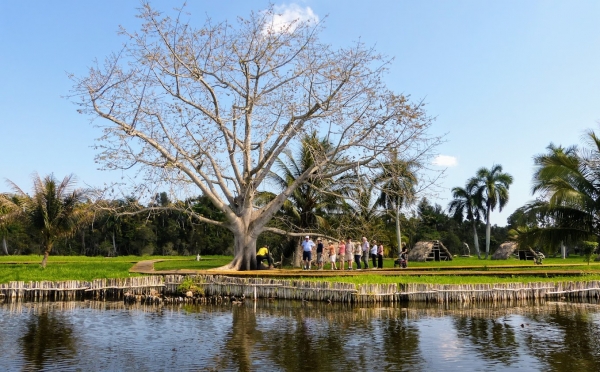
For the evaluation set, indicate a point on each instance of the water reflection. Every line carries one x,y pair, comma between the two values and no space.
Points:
48,339
297,336
566,340
493,339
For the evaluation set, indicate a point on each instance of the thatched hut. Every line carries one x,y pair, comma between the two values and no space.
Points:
432,250
505,250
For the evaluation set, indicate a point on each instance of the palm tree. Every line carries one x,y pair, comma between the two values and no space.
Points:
468,203
398,181
361,215
54,210
9,212
567,178
494,187
307,207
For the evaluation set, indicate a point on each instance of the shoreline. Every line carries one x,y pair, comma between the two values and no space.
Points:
209,288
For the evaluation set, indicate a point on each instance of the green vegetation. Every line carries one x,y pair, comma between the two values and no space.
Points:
320,183
567,212
442,279
205,263
27,268
64,271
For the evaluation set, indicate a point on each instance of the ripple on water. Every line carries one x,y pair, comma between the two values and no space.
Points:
91,336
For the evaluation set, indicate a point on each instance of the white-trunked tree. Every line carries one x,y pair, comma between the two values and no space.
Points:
214,107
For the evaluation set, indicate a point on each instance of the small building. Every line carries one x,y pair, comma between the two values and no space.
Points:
505,250
432,250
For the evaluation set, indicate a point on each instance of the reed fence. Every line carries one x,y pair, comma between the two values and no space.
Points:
151,288
75,289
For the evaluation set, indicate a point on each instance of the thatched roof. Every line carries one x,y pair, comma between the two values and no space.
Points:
505,250
422,250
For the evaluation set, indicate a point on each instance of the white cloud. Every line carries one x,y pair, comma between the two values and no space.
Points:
284,15
445,161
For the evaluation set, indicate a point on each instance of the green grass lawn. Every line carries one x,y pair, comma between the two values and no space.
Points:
36,259
474,261
27,268
452,279
64,271
207,262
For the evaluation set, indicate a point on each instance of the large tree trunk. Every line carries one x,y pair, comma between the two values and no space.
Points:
488,230
398,232
46,254
83,242
298,255
476,240
244,253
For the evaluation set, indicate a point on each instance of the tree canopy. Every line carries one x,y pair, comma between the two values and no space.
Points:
211,108
568,207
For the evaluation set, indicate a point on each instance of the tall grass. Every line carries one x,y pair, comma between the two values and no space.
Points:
448,279
27,268
34,259
86,271
207,262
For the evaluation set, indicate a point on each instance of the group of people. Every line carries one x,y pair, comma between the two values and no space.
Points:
354,254
344,253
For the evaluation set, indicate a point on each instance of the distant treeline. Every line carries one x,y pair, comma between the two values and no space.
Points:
170,232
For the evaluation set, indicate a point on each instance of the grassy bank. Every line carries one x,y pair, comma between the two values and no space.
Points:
454,280
207,262
27,268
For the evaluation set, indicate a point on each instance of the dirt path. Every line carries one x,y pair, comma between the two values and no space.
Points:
144,267
147,267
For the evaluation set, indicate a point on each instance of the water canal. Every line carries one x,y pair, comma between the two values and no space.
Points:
299,336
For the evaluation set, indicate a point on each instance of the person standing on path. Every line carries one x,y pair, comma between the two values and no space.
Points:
350,253
319,254
357,250
365,252
307,246
379,255
342,253
331,249
374,253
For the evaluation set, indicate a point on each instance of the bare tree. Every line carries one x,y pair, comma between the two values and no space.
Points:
212,108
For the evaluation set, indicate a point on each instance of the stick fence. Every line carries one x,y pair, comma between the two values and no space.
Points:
153,289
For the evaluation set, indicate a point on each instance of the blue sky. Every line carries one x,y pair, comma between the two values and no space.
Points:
503,79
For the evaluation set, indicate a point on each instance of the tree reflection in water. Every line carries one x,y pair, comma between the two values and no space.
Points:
48,339
565,340
300,336
493,339
296,336
401,343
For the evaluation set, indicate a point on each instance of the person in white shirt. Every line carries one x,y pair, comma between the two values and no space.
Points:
307,246
365,252
374,254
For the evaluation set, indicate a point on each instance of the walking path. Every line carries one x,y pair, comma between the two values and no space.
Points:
147,267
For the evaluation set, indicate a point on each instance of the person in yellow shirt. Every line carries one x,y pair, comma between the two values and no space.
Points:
264,254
